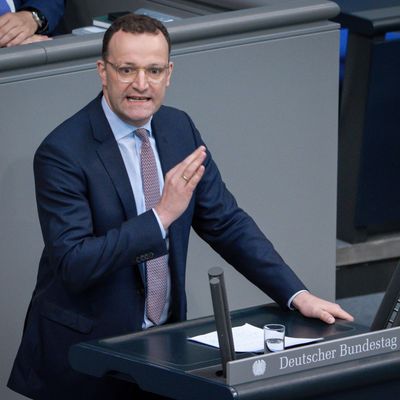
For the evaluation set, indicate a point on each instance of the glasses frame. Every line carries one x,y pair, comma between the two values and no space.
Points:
137,69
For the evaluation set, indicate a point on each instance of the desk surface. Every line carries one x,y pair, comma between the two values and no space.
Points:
369,17
162,360
350,6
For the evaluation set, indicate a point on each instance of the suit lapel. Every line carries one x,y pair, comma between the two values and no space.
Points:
164,146
170,155
111,158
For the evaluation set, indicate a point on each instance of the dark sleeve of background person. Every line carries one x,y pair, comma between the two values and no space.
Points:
53,10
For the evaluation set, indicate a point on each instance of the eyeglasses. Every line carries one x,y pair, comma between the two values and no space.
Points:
127,73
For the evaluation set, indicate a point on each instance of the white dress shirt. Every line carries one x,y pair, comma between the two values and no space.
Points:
11,5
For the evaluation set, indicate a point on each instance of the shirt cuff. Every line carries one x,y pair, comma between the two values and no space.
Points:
163,231
289,303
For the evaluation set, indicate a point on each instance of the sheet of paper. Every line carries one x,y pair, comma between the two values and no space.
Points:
249,338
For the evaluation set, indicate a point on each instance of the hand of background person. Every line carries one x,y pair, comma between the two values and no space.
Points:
180,182
314,307
16,27
36,38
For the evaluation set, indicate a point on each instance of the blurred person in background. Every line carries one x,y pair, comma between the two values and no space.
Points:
28,21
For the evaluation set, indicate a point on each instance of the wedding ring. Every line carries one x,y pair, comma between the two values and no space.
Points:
185,178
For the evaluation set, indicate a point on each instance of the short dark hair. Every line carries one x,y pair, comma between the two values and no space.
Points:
134,23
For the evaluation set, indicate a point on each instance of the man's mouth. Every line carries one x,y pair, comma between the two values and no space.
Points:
138,98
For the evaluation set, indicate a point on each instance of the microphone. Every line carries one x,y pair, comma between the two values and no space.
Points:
222,316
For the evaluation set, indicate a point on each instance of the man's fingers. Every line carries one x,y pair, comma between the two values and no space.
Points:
198,153
196,177
326,317
179,185
7,35
16,27
340,313
36,38
189,167
180,169
330,311
12,37
314,307
17,39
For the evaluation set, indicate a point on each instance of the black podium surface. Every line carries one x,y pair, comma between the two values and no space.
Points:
162,360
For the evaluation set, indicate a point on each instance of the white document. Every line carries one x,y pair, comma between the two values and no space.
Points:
249,339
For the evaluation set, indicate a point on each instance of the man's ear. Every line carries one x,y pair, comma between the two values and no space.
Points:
101,70
171,67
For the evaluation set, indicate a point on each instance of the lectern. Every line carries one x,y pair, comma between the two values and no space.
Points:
163,361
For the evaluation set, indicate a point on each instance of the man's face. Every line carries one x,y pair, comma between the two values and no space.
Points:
137,101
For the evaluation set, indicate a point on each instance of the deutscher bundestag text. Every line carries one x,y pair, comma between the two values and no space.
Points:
342,350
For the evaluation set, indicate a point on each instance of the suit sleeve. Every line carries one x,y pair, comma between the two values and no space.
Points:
235,236
81,256
53,10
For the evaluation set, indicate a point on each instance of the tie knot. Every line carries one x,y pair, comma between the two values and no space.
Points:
142,134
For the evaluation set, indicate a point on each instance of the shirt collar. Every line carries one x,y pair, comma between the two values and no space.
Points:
119,127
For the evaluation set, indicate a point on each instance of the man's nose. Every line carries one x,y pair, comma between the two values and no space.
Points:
140,82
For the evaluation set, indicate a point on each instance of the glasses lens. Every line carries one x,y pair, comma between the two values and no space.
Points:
128,73
155,74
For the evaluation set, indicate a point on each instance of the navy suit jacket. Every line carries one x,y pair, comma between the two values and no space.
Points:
53,10
89,284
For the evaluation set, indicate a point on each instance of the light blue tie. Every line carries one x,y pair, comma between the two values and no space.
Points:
4,7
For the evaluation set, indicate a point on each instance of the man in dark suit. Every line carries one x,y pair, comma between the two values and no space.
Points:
100,235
